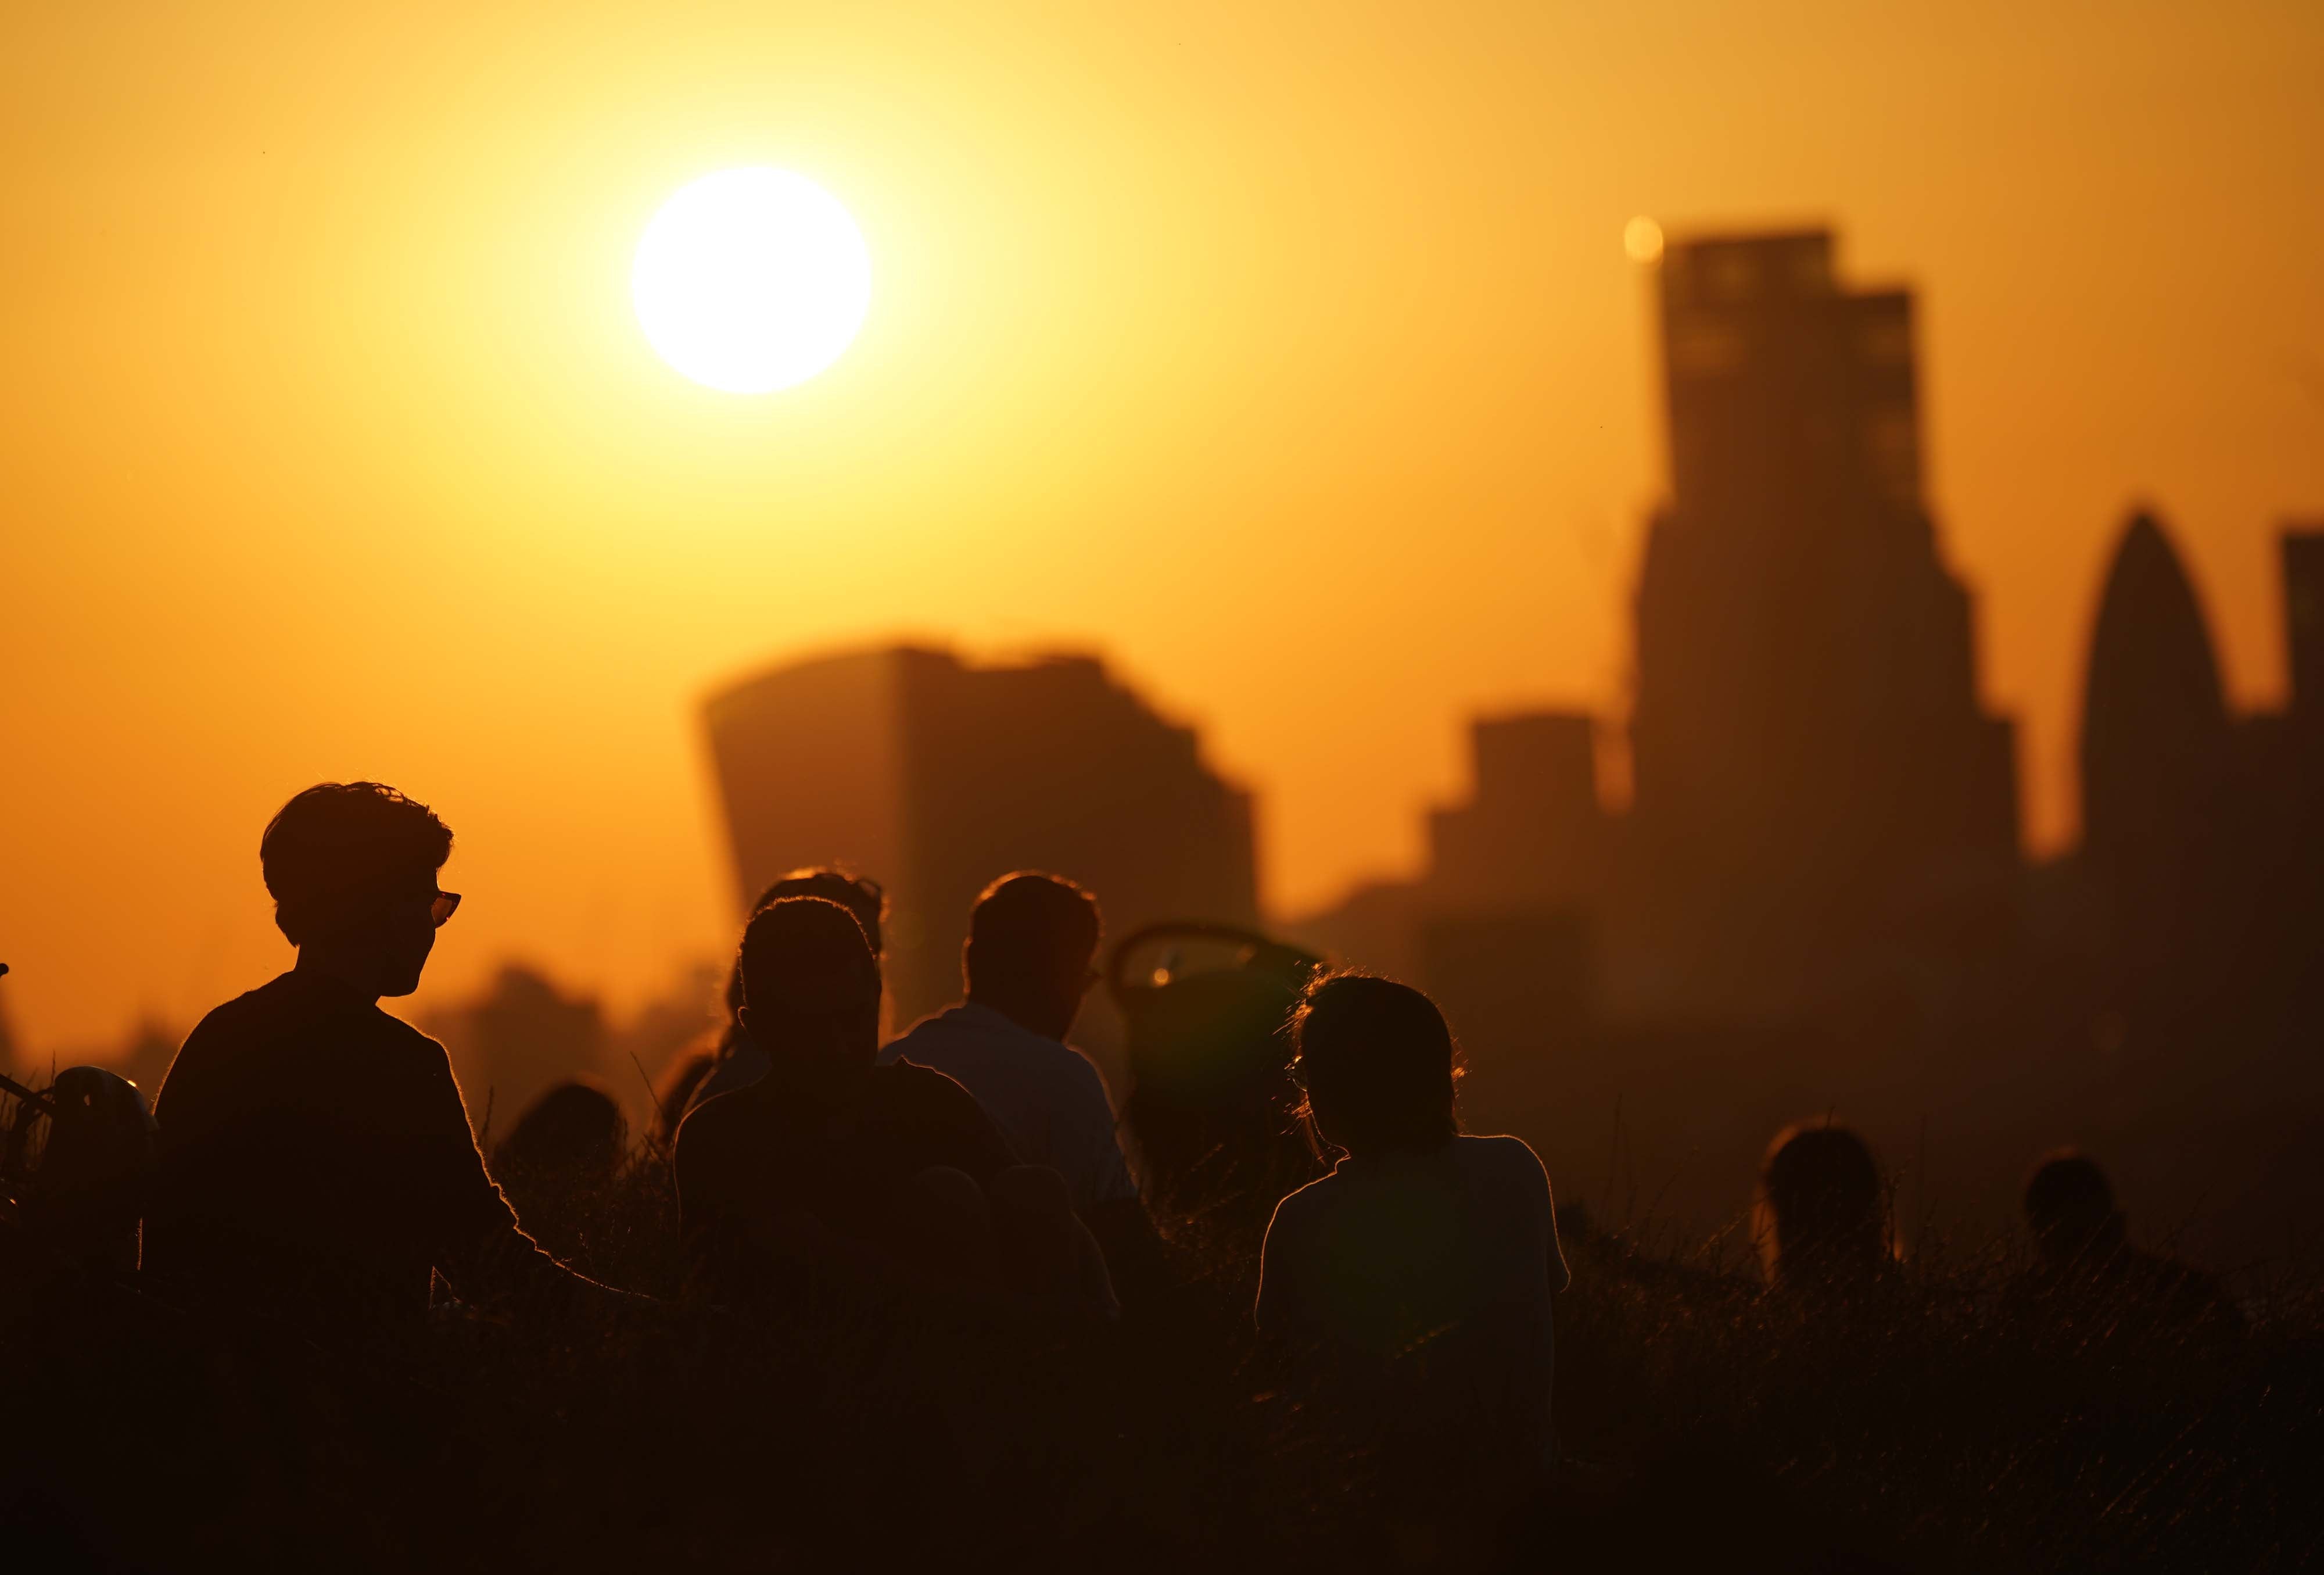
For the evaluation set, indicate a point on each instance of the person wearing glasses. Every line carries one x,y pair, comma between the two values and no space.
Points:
317,1162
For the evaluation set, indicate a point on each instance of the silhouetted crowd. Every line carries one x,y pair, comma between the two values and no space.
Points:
308,1163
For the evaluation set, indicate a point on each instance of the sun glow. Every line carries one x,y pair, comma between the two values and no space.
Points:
751,280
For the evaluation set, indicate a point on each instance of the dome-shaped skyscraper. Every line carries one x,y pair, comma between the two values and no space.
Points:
2157,741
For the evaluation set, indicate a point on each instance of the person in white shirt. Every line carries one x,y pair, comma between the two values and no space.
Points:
1409,1290
1026,967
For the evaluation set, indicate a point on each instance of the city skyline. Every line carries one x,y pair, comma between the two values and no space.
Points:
307,368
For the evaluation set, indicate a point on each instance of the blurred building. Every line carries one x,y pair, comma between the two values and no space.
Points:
2155,728
1820,807
2202,851
1532,834
2303,624
2158,747
1814,899
1814,778
1501,929
933,776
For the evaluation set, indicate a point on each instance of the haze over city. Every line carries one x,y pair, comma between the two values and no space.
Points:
1295,363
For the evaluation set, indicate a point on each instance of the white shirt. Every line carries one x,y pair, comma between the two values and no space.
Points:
1042,1093
1447,1257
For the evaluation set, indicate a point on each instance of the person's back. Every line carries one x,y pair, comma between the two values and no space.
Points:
2087,1274
832,1162
1820,1221
1441,1263
315,1149
1411,1288
1046,1096
773,1166
1025,965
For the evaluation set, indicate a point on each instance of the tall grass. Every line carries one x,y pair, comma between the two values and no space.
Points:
1711,1425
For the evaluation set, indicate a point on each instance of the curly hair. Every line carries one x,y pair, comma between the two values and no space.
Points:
334,846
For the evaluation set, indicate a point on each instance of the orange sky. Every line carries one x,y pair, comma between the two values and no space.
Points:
1290,354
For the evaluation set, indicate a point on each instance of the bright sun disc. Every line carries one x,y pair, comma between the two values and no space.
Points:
751,280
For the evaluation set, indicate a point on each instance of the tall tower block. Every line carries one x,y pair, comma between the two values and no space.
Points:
1811,764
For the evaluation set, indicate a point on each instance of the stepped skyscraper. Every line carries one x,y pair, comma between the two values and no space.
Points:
1814,775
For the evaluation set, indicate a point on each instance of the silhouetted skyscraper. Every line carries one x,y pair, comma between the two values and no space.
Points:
2303,624
1532,833
2185,808
933,777
2155,747
1812,768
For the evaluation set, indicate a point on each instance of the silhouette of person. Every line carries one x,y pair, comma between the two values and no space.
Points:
316,1157
893,1175
737,1061
1410,1288
2085,1268
1820,1221
573,1132
1025,968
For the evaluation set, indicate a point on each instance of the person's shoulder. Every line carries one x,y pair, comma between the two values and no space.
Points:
1073,1063
930,1035
269,1000
713,1125
395,1048
1302,1204
1509,1160
719,1112
253,1017
904,1080
405,1035
2177,1281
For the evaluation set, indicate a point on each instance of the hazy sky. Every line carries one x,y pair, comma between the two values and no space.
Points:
1287,354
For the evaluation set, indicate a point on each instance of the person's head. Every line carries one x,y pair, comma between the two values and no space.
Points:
1376,1059
810,985
1822,1213
575,1128
860,896
2070,1207
1031,938
351,869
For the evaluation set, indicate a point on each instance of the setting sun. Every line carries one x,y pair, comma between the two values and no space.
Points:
751,280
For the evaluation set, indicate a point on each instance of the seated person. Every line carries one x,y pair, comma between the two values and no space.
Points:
572,1135
1411,1286
2085,1268
316,1159
736,1061
1025,968
832,1160
1821,1221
